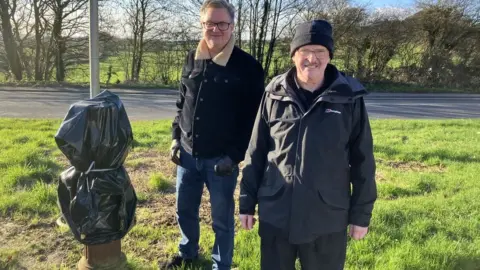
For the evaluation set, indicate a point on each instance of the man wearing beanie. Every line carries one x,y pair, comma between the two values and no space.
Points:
310,164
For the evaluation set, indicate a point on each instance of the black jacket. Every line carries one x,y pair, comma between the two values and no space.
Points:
312,172
217,105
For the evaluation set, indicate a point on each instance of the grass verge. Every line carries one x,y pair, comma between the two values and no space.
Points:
427,215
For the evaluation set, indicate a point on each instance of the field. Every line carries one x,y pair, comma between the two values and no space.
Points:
427,215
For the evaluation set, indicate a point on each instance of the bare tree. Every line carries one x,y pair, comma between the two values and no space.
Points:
40,26
23,29
143,17
283,15
240,23
267,21
68,16
254,15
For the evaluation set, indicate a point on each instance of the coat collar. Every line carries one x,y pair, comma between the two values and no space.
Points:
220,59
343,89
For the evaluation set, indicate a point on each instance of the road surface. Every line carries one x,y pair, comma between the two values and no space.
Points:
149,104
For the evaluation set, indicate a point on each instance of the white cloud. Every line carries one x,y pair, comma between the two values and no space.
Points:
391,12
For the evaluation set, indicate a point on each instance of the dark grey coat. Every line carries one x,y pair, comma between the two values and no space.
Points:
312,172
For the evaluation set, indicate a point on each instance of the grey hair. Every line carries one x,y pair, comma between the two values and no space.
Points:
218,4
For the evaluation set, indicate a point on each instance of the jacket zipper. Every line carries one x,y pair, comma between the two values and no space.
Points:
300,128
297,157
295,162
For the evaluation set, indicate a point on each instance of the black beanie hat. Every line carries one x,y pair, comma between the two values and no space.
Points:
317,32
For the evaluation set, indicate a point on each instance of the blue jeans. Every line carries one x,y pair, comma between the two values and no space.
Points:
191,176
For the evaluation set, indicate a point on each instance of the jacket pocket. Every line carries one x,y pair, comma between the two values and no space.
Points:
273,182
275,177
335,198
192,83
270,191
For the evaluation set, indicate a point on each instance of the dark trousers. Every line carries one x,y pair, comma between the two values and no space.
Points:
325,253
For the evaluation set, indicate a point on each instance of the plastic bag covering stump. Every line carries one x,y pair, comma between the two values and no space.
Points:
95,195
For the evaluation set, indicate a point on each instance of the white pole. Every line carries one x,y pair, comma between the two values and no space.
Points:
94,55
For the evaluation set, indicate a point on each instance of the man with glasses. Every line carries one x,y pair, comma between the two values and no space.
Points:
310,164
220,90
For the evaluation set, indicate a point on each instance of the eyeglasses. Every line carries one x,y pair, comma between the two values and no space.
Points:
222,26
318,53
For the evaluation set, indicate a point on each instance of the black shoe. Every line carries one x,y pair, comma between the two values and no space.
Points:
176,262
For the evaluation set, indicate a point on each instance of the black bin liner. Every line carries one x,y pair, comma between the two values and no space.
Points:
95,195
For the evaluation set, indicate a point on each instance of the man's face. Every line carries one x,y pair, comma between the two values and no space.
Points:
217,27
311,62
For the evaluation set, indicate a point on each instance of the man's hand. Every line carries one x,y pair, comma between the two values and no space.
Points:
248,221
224,167
357,232
174,152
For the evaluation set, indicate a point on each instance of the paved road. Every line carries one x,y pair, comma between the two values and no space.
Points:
160,104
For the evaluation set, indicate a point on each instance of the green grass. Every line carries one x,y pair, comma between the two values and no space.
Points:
28,167
29,163
150,71
158,182
427,215
152,74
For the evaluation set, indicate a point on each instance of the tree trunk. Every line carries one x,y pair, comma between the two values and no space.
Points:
239,24
253,27
141,44
134,57
263,31
9,42
48,59
273,36
361,51
136,26
38,41
59,45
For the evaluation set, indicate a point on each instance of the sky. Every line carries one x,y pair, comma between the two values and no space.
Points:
398,7
387,3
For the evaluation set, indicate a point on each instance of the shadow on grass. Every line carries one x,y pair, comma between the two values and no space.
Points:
441,154
394,219
11,264
447,156
459,262
200,264
392,192
389,151
144,143
45,171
